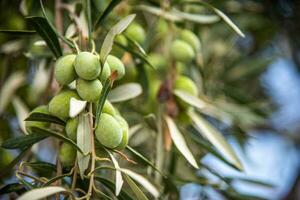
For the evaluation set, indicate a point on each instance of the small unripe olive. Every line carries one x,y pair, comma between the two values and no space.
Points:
60,104
186,84
125,128
157,60
87,65
6,158
108,108
182,51
105,72
162,27
29,124
190,38
136,32
115,64
64,71
109,132
89,90
71,128
67,154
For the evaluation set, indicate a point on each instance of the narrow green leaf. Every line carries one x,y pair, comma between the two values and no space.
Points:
84,143
125,92
113,32
136,45
190,99
89,20
216,138
43,28
42,166
180,142
18,32
110,185
41,193
23,142
144,159
119,180
47,132
109,8
42,117
102,99
136,190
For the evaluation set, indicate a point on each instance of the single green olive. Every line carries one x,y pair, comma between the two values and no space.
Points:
60,104
109,132
190,38
105,73
87,65
64,71
71,128
136,32
162,27
182,51
6,157
67,155
89,90
186,84
116,64
125,128
109,108
29,124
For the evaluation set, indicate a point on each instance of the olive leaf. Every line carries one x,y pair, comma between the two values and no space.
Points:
13,187
216,138
119,179
23,142
18,32
142,181
180,142
113,32
136,190
14,81
43,28
41,193
125,92
84,142
107,10
42,117
21,111
190,99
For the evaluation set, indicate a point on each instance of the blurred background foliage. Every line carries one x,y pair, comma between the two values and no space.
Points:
232,73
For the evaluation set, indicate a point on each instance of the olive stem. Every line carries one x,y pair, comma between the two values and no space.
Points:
90,190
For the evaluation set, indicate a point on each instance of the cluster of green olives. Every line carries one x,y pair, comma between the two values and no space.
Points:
86,70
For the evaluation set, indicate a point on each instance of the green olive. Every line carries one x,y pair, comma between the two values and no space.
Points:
105,72
29,124
125,128
186,84
190,38
60,104
6,157
136,32
109,108
116,64
64,71
182,51
71,128
118,51
87,65
89,90
109,132
67,154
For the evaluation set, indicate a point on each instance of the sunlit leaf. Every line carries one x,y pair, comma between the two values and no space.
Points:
180,142
190,99
84,143
125,92
113,32
76,107
10,86
216,138
119,179
142,181
40,193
